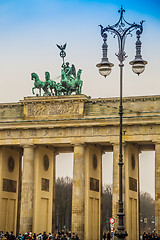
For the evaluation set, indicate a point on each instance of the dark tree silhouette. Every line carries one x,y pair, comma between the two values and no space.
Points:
147,213
106,206
63,203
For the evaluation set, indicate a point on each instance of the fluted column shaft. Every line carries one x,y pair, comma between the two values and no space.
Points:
78,193
26,213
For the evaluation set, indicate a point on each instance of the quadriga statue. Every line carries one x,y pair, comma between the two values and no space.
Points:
70,81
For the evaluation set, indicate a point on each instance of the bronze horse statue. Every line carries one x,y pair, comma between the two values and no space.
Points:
76,84
71,84
50,83
37,83
45,86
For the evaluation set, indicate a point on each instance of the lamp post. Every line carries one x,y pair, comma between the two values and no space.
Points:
120,30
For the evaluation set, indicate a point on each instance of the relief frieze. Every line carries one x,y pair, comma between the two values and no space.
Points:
97,130
84,131
52,109
8,133
60,132
21,133
72,132
45,132
33,133
110,130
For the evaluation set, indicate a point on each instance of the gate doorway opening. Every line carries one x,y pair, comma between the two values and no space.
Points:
107,180
147,191
63,192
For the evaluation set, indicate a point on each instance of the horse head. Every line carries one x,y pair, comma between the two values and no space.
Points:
79,73
34,76
47,75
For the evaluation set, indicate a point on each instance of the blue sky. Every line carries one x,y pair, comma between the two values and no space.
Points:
30,30
28,12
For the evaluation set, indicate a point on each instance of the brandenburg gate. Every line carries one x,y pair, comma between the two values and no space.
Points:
34,130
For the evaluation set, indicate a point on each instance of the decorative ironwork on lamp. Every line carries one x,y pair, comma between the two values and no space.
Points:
105,66
138,64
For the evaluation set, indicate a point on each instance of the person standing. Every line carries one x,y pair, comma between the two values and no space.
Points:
108,236
40,236
104,236
50,236
30,236
34,236
12,237
144,237
19,237
45,236
1,235
77,238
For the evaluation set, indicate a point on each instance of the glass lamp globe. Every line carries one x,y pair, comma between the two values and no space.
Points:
138,66
105,68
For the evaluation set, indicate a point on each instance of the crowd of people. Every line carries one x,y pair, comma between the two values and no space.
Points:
29,236
64,236
150,236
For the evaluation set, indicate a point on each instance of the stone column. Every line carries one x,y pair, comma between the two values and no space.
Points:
78,192
19,191
157,187
26,212
54,180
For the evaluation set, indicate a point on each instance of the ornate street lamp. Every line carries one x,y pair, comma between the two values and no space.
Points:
120,30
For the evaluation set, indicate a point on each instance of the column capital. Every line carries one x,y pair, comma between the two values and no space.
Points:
117,143
80,144
28,145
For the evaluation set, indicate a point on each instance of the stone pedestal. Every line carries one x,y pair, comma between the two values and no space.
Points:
78,192
26,213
